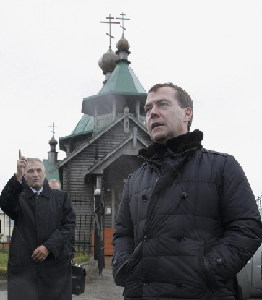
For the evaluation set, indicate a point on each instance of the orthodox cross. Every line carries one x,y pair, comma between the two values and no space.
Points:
53,128
123,19
110,22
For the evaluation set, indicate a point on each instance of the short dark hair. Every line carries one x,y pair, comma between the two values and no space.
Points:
183,98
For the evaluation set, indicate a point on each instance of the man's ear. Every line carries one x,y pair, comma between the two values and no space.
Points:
188,114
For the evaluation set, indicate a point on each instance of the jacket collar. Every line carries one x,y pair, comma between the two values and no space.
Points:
179,144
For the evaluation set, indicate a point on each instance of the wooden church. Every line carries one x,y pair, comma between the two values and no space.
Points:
103,148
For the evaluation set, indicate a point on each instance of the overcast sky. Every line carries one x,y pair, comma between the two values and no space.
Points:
49,52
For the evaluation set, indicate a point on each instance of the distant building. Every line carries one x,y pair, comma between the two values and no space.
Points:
103,148
6,227
52,162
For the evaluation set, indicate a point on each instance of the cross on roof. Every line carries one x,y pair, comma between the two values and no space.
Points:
123,19
53,128
110,24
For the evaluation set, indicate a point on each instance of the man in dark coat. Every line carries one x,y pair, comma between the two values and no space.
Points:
188,221
39,266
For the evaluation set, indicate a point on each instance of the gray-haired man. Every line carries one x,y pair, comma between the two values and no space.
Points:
39,266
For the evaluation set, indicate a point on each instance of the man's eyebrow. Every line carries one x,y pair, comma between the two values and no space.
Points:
146,105
31,169
164,99
156,101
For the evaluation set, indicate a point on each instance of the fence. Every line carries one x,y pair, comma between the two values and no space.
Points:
84,210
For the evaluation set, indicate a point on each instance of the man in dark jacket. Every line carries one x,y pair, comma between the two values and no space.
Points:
39,266
188,221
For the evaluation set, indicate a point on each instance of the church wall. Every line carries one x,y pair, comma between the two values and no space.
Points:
82,198
81,191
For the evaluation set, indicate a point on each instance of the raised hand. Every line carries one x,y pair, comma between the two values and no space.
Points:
21,164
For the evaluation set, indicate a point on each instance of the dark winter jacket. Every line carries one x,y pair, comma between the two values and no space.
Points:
187,224
47,219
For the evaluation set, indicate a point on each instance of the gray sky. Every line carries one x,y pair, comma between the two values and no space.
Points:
211,48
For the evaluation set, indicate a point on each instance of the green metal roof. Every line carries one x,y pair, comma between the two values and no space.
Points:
51,170
122,81
85,125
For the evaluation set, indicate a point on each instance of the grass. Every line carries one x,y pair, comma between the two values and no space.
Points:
3,262
3,259
81,257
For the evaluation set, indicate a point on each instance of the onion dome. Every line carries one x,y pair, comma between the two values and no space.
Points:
123,49
108,61
52,142
123,45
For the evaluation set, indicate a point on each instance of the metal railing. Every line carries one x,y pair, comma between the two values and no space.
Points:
84,209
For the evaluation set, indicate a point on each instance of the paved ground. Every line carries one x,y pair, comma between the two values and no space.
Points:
102,288
3,295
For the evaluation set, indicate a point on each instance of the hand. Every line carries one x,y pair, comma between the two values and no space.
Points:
40,254
21,164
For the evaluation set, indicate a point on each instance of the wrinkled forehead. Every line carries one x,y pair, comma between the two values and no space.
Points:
35,165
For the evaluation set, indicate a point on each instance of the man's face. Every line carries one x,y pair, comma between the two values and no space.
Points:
164,117
54,185
34,174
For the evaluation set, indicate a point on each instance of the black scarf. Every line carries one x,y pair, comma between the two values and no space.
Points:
179,144
169,159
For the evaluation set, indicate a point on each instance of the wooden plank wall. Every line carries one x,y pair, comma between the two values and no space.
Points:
75,170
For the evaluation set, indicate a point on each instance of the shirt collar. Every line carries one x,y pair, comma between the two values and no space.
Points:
35,191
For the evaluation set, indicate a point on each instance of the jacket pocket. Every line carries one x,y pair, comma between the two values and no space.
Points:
133,261
180,260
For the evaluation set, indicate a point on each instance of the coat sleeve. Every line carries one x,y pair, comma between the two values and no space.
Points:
242,226
64,233
123,239
9,199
